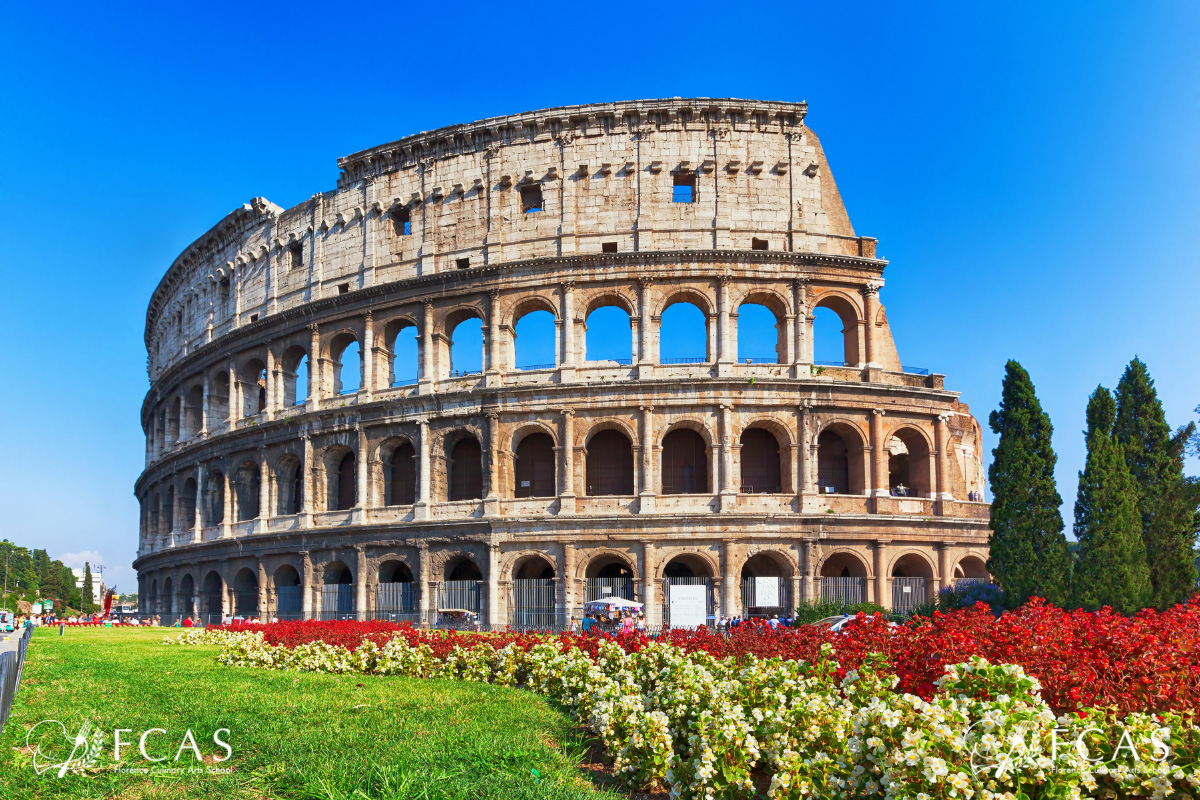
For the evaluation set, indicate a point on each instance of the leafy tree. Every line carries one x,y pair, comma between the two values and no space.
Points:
88,592
1112,568
1029,554
1167,500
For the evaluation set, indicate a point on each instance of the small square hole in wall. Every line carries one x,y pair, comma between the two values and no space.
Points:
684,189
608,247
254,317
344,288
296,255
463,263
531,198
758,244
402,222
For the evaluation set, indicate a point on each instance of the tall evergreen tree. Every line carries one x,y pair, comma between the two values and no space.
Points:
1166,499
86,604
1029,553
1112,568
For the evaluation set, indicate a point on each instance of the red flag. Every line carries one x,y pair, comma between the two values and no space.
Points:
108,602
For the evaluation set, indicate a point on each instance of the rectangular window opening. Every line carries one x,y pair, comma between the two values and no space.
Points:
402,222
254,317
296,254
531,199
343,288
758,244
463,263
608,247
684,189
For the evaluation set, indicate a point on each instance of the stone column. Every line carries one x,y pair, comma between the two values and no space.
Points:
316,366
362,493
871,305
729,580
879,456
424,478
307,590
493,586
491,501
423,596
568,581
492,367
264,491
883,596
567,360
235,400
647,496
812,592
205,411
942,444
176,513
264,613
645,330
650,604
425,380
566,482
368,357
360,583
198,517
269,388
725,353
307,484
227,507
728,488
944,578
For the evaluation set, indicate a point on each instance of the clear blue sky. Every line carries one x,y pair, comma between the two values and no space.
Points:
1031,170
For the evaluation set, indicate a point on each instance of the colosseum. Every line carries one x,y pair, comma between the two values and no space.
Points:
344,419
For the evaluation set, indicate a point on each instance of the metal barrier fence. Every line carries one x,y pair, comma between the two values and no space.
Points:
398,598
289,603
337,601
776,597
533,604
600,588
908,594
847,591
709,606
11,664
461,595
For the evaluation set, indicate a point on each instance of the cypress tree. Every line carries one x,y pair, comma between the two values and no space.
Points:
1167,500
1112,568
85,599
1029,553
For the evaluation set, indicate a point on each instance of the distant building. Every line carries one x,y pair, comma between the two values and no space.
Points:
98,587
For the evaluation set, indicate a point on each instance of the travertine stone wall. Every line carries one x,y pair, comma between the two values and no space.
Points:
245,490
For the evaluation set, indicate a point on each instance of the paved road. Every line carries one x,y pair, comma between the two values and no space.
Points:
8,641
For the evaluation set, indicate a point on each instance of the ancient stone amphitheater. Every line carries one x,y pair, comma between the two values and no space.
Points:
317,444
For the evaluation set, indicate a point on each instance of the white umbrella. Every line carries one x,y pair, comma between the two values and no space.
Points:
614,602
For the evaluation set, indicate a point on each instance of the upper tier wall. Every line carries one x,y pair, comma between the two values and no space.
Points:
606,174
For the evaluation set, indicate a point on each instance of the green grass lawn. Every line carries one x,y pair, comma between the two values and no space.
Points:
294,735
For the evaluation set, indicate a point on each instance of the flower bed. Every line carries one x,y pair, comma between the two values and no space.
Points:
709,726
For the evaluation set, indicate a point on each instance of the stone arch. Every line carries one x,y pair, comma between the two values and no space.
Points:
911,466
532,329
686,340
533,565
841,458
603,298
395,570
187,595
599,561
849,312
608,461
187,501
336,572
403,356
462,566
342,341
686,458
247,487
912,563
214,498
527,305
844,563
398,462
289,484
452,320
592,350
293,359
768,562
463,452
212,595
341,477
753,339
765,456
970,565
677,562
534,461
253,379
245,593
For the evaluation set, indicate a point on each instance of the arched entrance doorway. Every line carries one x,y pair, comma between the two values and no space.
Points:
288,601
844,579
461,588
911,578
533,597
395,595
337,592
245,594
687,593
187,597
214,590
766,587
608,576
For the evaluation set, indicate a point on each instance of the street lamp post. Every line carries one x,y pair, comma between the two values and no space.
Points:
10,552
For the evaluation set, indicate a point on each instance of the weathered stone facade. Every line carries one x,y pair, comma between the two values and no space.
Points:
248,498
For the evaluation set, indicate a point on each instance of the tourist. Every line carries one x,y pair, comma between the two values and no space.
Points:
187,622
627,624
774,622
640,625
574,625
588,624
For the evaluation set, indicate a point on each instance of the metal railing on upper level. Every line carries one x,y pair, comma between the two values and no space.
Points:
682,361
914,370
830,364
760,360
531,367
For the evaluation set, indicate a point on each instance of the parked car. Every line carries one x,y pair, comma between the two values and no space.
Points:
839,622
6,621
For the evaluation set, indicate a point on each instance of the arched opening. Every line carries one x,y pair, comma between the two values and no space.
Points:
684,463
835,333
609,464
909,464
254,388
155,515
461,588
766,590
247,484
187,502
187,596
218,399
245,593
840,461
683,334
289,477
608,335
212,596
465,464
153,598
337,592
395,594
535,341
970,571
174,420
762,463
533,595
466,343
168,596
534,467
608,575
346,356
911,578
214,490
288,599
400,475
844,579
687,592
193,412
403,347
295,376
169,510
343,489
759,335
